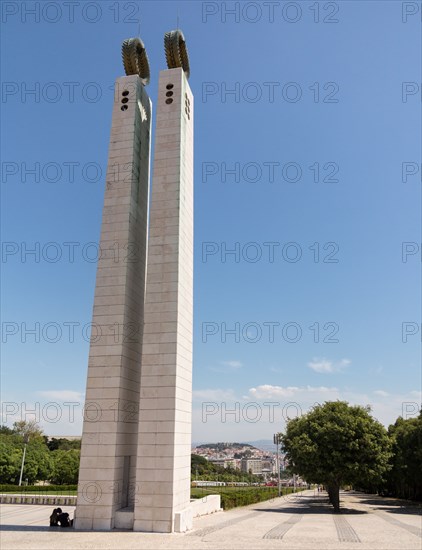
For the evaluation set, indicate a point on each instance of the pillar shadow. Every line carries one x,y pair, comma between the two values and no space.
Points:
317,504
393,506
34,528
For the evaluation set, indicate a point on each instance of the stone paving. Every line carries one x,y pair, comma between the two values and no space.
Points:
297,522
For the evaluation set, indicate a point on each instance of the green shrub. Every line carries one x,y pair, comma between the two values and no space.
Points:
37,488
231,497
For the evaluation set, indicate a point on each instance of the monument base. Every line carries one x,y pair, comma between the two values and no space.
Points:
183,520
124,518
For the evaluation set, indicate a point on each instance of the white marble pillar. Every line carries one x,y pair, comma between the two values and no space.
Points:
110,431
162,494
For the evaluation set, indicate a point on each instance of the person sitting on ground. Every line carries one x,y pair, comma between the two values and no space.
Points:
63,519
54,517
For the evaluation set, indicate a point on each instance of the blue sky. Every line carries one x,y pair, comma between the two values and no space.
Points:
307,165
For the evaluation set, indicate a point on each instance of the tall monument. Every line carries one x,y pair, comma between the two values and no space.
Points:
136,442
109,440
164,443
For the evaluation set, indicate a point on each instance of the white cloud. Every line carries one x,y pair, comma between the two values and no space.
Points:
381,393
231,420
267,391
226,367
233,364
325,366
63,395
321,365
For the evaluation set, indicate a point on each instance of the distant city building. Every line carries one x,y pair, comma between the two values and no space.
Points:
226,462
251,465
239,456
233,463
269,466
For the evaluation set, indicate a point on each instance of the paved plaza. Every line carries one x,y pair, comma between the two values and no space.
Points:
300,521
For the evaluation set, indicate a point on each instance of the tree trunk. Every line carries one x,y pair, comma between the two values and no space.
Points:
334,495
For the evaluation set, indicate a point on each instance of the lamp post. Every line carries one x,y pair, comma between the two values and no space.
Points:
277,440
25,442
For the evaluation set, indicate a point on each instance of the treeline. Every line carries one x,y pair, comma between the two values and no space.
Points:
54,460
57,460
403,480
202,469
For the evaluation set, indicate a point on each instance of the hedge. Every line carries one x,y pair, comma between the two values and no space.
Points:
233,497
36,488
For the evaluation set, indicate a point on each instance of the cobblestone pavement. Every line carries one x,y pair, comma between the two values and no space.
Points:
298,522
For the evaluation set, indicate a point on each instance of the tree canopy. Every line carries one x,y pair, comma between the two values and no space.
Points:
27,428
56,460
63,444
38,462
65,468
337,444
404,479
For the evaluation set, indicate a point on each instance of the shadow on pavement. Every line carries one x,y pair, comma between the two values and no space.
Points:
55,529
309,508
313,504
31,528
403,510
394,506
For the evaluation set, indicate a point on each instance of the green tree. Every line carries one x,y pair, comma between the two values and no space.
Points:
38,464
337,444
404,479
10,458
5,430
199,465
28,428
65,466
63,444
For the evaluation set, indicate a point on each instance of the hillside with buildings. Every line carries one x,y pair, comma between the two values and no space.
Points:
239,456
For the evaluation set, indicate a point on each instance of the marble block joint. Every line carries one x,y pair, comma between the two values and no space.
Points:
136,442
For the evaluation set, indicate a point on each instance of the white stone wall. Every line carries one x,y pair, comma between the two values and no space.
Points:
164,454
110,430
206,505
